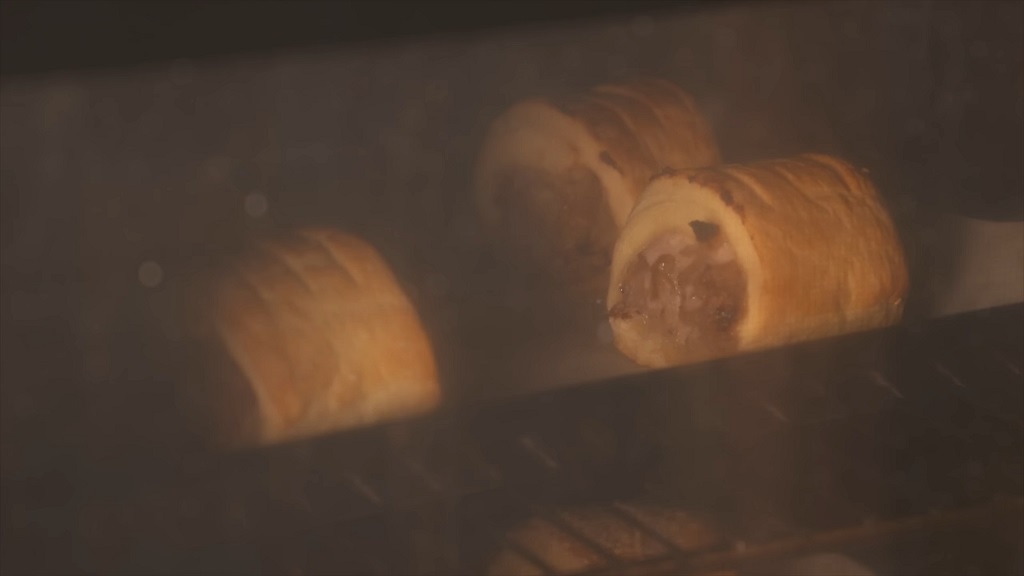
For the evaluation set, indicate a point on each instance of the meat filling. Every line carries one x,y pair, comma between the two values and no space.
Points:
557,225
690,293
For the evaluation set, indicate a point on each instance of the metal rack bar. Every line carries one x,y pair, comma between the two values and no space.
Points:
847,536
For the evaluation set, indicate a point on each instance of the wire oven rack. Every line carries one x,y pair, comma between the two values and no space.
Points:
888,444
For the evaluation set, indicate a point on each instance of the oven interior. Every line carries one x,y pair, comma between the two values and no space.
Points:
898,448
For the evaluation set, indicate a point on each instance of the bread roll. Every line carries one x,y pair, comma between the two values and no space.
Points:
310,333
721,260
614,528
556,178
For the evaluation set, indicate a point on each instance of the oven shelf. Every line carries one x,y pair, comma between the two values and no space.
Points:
888,431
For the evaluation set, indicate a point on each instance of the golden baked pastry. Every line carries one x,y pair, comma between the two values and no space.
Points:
733,258
310,333
629,531
556,178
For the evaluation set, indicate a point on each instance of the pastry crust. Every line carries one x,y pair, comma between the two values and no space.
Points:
556,178
818,252
311,333
629,531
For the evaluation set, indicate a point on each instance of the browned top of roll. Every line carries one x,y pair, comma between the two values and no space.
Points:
577,540
644,127
315,324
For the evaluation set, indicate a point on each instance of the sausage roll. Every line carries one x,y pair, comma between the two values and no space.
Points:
720,260
310,333
556,178
630,532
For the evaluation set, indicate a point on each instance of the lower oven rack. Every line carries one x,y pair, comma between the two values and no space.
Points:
846,444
